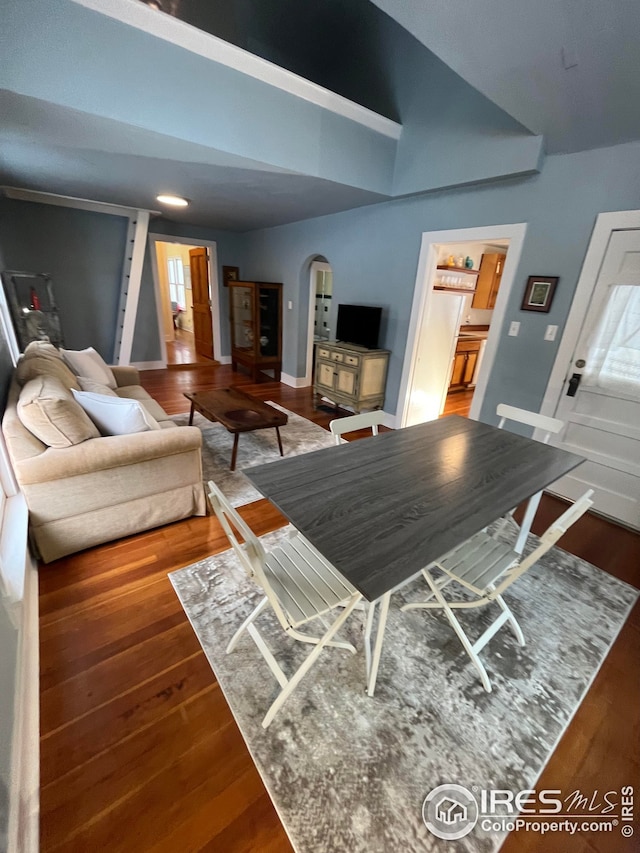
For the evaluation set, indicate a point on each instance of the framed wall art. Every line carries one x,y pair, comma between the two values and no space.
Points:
230,274
538,294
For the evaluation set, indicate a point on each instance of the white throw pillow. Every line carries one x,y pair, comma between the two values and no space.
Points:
115,415
89,363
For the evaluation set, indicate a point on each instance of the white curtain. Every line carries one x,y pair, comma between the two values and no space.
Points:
613,360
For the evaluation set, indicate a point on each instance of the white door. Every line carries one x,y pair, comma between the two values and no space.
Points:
603,417
437,338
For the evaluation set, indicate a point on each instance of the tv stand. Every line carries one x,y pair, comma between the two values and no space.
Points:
351,375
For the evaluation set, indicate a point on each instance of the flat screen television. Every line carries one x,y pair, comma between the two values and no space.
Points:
359,324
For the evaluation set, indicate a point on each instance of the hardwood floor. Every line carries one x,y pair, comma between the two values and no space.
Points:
139,751
181,351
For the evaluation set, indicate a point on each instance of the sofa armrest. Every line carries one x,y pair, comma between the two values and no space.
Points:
113,451
125,374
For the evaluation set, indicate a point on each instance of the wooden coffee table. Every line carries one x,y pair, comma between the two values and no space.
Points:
238,412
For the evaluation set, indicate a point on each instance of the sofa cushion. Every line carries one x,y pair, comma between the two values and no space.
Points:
47,409
87,362
137,392
114,416
36,364
94,387
42,348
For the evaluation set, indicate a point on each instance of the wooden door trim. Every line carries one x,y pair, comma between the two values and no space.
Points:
214,286
620,220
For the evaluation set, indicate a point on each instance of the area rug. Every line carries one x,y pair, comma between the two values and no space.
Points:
347,772
299,435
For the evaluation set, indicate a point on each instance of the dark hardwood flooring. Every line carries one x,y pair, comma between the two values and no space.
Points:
139,751
181,352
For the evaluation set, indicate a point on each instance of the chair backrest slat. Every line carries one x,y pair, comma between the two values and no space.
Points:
551,426
250,552
547,540
363,420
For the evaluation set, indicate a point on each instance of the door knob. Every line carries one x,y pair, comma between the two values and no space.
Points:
573,384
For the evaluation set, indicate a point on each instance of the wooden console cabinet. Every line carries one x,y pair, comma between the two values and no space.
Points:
255,314
350,375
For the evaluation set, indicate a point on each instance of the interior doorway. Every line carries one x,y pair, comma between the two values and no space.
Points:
462,288
320,301
186,285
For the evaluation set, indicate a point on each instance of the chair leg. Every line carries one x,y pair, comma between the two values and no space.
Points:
457,627
511,619
308,663
305,638
258,610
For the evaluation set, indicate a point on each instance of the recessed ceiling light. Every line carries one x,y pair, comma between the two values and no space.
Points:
174,200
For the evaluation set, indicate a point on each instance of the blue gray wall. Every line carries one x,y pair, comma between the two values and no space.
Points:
374,254
83,252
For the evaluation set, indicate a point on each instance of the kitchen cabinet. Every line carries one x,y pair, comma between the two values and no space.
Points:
255,314
489,279
350,375
464,364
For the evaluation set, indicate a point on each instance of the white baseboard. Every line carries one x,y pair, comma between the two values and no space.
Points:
148,365
294,381
24,793
224,359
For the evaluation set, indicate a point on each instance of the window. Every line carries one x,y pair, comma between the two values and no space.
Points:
613,362
176,282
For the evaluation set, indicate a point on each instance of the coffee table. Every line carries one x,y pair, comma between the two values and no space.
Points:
238,412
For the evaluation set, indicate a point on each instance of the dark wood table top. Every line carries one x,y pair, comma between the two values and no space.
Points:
237,411
382,508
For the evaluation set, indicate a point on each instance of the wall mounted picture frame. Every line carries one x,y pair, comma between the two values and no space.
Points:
230,274
538,294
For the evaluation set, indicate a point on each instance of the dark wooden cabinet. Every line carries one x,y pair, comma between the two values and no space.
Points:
464,364
489,279
255,314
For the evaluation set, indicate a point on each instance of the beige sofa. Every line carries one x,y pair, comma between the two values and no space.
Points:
83,488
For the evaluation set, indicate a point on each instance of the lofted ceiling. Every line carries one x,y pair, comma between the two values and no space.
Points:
568,70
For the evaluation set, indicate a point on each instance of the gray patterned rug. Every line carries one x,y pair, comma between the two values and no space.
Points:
348,773
254,448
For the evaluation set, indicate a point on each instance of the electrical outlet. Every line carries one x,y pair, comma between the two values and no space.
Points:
550,334
289,305
514,329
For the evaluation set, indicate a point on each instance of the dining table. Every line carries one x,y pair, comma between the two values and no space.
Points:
383,508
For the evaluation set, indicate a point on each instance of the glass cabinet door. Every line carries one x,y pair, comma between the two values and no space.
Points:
242,318
269,302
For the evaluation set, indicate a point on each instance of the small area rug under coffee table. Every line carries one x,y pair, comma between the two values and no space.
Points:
348,773
299,435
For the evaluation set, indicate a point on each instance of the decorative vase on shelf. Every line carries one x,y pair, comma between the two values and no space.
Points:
460,261
468,263
451,261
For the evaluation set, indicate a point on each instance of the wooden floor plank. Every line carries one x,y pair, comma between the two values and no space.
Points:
103,727
139,749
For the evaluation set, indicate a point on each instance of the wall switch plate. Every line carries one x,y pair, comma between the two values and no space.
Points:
514,329
550,334
289,305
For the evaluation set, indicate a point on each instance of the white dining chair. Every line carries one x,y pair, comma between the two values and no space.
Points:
486,568
363,420
549,426
300,586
